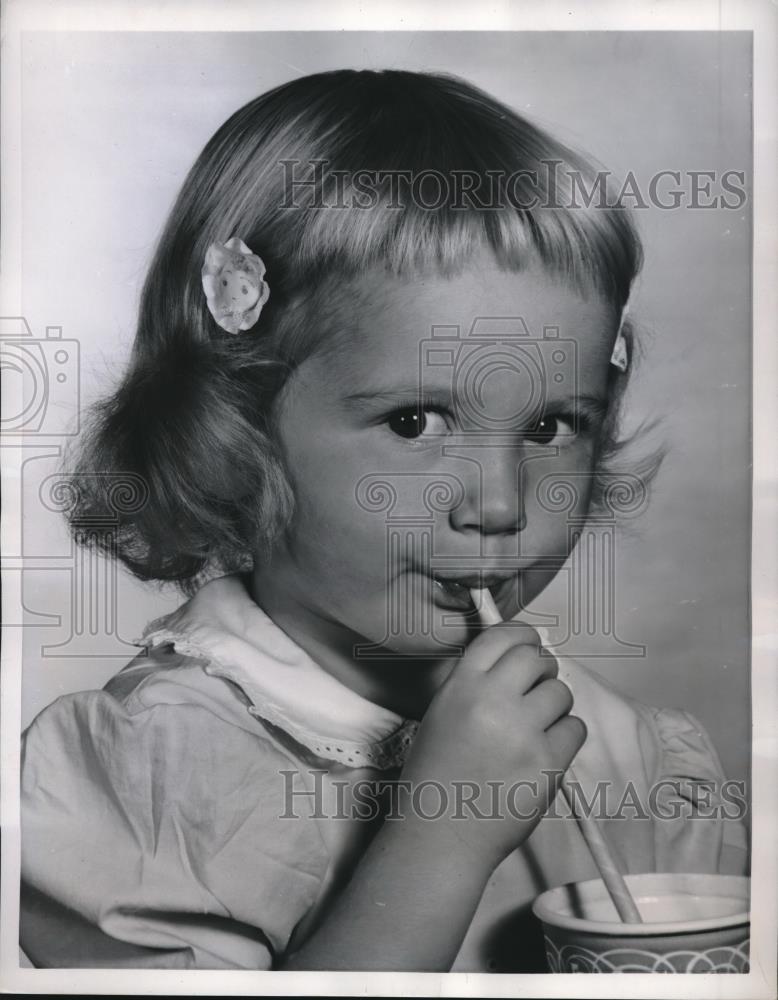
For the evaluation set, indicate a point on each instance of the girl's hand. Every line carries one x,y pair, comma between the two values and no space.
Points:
502,717
498,732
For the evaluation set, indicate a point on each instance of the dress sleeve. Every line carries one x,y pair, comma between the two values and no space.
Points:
698,814
164,829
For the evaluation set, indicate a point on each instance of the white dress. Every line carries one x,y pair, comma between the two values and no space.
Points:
158,809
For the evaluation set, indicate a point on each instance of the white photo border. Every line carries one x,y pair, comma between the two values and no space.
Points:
757,16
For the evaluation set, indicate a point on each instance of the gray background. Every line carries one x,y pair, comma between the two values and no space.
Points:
111,124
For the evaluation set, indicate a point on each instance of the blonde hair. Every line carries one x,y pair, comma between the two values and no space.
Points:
287,173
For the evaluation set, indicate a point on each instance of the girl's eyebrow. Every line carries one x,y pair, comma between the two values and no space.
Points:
398,395
597,406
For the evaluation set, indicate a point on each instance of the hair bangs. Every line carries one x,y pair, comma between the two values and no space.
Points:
412,172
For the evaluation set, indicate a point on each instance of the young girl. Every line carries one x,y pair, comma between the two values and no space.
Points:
381,325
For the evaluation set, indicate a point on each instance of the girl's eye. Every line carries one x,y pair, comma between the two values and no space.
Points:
551,430
412,423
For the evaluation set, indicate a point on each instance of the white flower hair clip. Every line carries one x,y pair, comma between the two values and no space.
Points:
620,355
233,283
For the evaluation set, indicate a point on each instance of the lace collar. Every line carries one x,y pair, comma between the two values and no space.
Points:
223,626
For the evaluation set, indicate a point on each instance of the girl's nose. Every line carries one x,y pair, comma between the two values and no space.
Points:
493,494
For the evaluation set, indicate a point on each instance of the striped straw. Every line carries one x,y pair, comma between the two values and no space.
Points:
592,834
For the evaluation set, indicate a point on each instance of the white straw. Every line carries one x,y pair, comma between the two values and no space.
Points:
592,834
487,609
603,858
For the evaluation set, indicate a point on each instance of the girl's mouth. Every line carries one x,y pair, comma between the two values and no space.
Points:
453,594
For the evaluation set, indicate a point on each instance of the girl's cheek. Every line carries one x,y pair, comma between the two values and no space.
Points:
561,485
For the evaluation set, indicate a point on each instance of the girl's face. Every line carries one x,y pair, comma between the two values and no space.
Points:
444,438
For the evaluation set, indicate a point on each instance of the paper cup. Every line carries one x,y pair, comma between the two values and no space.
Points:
692,923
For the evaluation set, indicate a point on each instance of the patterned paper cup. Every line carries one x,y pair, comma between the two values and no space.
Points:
692,923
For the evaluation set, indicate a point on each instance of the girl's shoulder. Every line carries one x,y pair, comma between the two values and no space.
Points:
162,728
158,683
163,674
155,807
663,740
149,723
664,759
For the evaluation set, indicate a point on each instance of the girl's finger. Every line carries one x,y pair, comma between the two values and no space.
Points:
565,738
487,648
548,701
526,665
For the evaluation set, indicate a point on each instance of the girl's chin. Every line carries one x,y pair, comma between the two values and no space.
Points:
424,623
439,633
